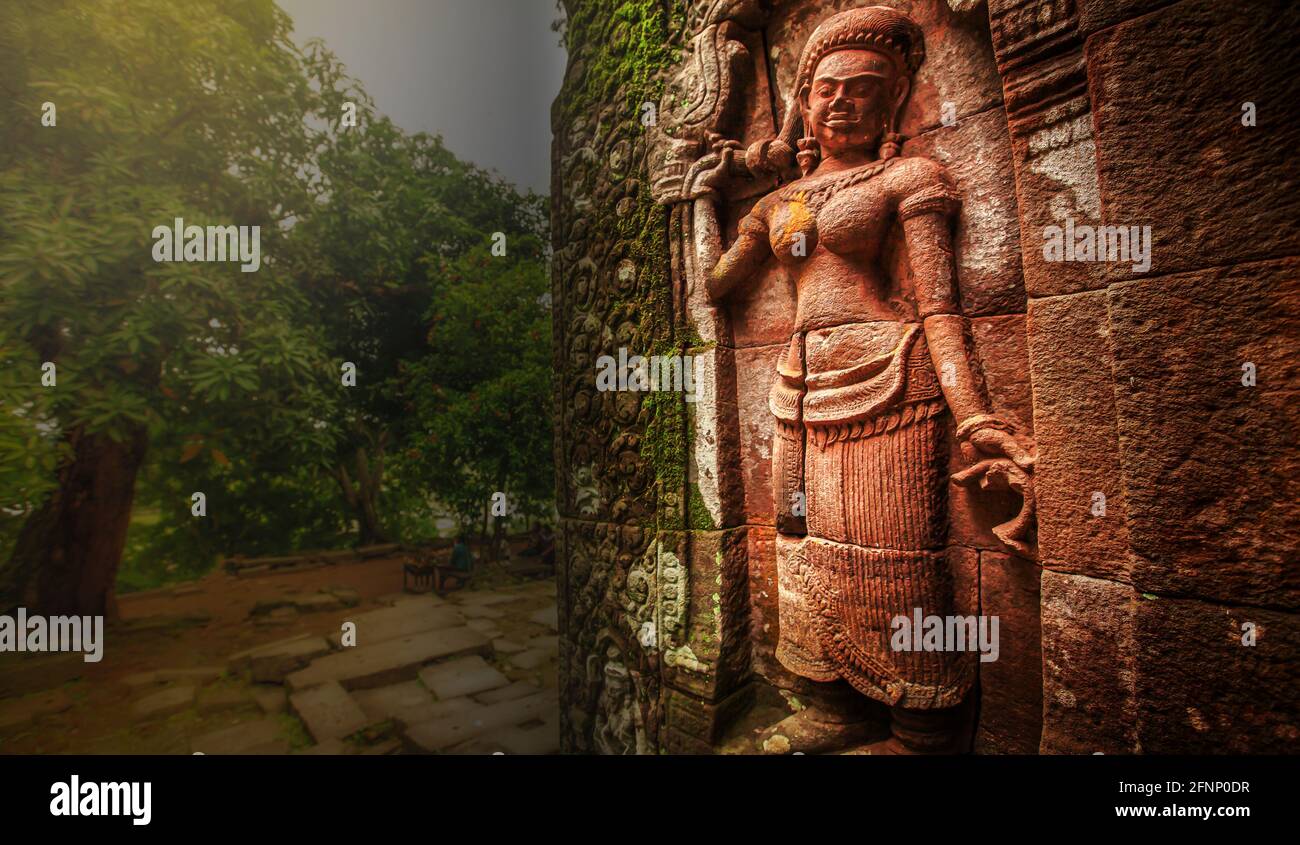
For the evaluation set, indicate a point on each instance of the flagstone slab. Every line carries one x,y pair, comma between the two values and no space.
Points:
20,712
548,616
531,659
440,734
261,736
272,699
486,627
328,712
462,677
222,698
377,626
271,663
481,611
543,739
485,597
518,689
504,645
408,703
391,661
164,703
549,643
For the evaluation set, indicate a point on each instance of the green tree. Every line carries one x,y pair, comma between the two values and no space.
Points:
193,109
395,211
481,398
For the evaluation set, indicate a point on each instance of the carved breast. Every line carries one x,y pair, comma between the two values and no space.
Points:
847,213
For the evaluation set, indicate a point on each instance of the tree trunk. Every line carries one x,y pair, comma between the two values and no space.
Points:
66,557
362,496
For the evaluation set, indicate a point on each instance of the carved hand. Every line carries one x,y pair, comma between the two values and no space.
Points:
1001,462
707,176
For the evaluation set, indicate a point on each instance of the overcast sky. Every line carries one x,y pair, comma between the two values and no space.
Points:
481,73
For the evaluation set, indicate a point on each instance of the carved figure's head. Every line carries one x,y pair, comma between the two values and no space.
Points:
853,78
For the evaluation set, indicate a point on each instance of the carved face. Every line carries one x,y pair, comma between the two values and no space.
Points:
853,96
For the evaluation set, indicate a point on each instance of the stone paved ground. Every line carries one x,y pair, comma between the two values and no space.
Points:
473,672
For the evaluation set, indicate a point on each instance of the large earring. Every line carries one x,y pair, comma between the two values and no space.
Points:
809,153
890,145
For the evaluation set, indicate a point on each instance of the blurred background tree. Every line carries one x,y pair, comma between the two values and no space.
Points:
174,378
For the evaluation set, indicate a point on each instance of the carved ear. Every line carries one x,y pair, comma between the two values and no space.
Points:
802,99
902,87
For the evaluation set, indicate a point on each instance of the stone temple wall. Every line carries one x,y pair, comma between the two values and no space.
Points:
1124,634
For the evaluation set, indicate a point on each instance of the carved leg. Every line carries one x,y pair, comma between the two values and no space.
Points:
915,731
834,717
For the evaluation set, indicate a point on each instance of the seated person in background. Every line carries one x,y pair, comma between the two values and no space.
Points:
461,558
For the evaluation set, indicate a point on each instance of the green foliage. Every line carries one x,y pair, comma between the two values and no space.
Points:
482,397
197,110
374,251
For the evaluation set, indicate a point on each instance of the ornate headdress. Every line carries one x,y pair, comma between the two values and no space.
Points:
880,28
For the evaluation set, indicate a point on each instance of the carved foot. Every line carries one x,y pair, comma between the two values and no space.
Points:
920,732
809,732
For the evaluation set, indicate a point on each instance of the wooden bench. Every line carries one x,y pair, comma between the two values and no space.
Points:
420,575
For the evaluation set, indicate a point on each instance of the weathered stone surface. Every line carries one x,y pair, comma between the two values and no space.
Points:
542,739
164,702
531,658
966,582
1219,198
485,598
461,677
408,703
220,699
503,645
20,712
486,627
1011,687
198,675
987,248
714,480
1201,451
710,655
401,620
1056,181
327,711
257,737
1096,15
764,622
1201,690
1089,665
270,664
754,372
390,661
386,702
693,725
604,573
547,616
518,689
272,699
1077,479
548,642
138,680
443,733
